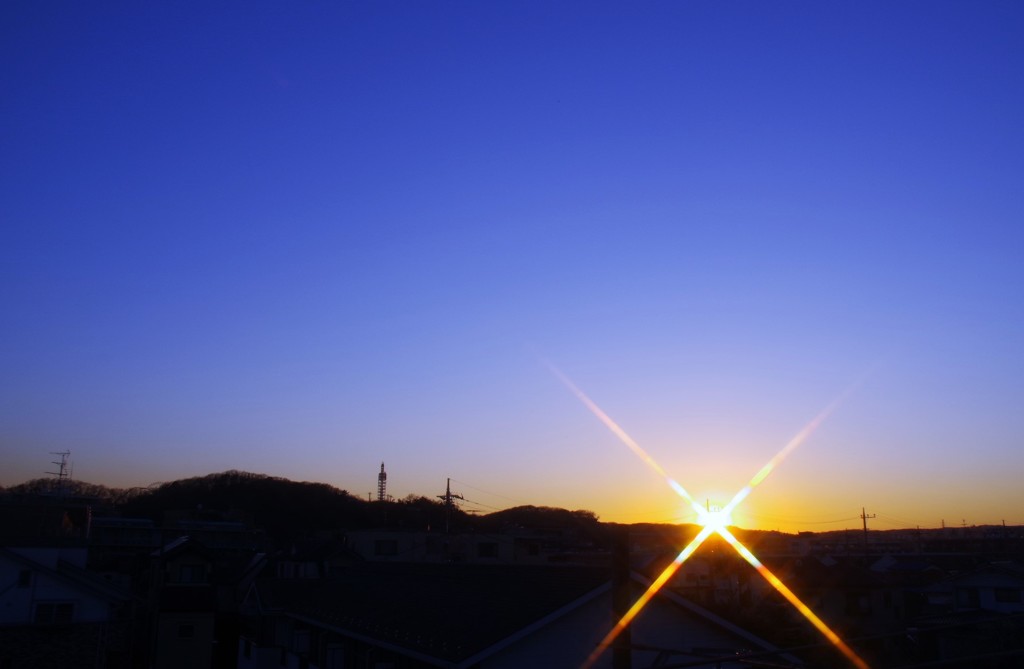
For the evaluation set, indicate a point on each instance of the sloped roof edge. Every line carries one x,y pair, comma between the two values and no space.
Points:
600,590
715,619
375,641
533,627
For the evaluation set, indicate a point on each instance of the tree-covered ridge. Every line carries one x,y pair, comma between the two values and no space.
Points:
280,506
73,488
538,516
287,509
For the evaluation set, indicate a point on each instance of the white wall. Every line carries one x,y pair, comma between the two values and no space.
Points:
17,603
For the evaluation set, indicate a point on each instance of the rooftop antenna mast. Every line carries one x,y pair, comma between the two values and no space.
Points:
63,473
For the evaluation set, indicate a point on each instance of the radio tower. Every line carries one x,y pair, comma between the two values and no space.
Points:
382,484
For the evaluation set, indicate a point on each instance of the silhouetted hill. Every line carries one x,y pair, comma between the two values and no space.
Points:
583,522
288,509
283,508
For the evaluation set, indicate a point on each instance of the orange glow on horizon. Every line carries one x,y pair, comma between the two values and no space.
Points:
716,522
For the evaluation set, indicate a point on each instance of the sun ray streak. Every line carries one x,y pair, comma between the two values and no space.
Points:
777,583
639,604
622,435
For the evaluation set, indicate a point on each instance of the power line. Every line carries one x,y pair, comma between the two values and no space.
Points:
795,520
486,506
487,492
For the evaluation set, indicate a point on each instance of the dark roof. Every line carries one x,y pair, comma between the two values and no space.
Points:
175,546
445,611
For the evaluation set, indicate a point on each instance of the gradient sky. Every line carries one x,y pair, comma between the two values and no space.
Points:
304,238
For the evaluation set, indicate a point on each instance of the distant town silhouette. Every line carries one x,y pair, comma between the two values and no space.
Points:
244,570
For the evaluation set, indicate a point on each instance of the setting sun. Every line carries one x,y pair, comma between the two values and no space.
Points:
715,520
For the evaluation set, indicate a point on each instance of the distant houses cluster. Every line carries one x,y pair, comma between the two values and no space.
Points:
83,586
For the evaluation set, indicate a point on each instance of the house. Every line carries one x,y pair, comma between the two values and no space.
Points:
972,616
193,605
515,545
413,615
53,613
417,546
183,604
995,587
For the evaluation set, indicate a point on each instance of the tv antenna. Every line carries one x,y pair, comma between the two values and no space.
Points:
63,472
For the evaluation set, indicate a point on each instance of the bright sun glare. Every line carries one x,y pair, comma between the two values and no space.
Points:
715,520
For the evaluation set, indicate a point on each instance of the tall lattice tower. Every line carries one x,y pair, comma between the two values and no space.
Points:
382,484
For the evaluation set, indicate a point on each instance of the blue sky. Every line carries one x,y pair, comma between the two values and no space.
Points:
300,240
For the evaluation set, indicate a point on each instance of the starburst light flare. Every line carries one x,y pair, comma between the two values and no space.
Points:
622,435
798,439
713,523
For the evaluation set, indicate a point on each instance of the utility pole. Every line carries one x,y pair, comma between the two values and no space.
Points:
864,519
449,503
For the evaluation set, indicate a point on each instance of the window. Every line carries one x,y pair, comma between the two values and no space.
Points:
385,547
335,657
192,573
1007,595
968,597
54,613
63,613
487,549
